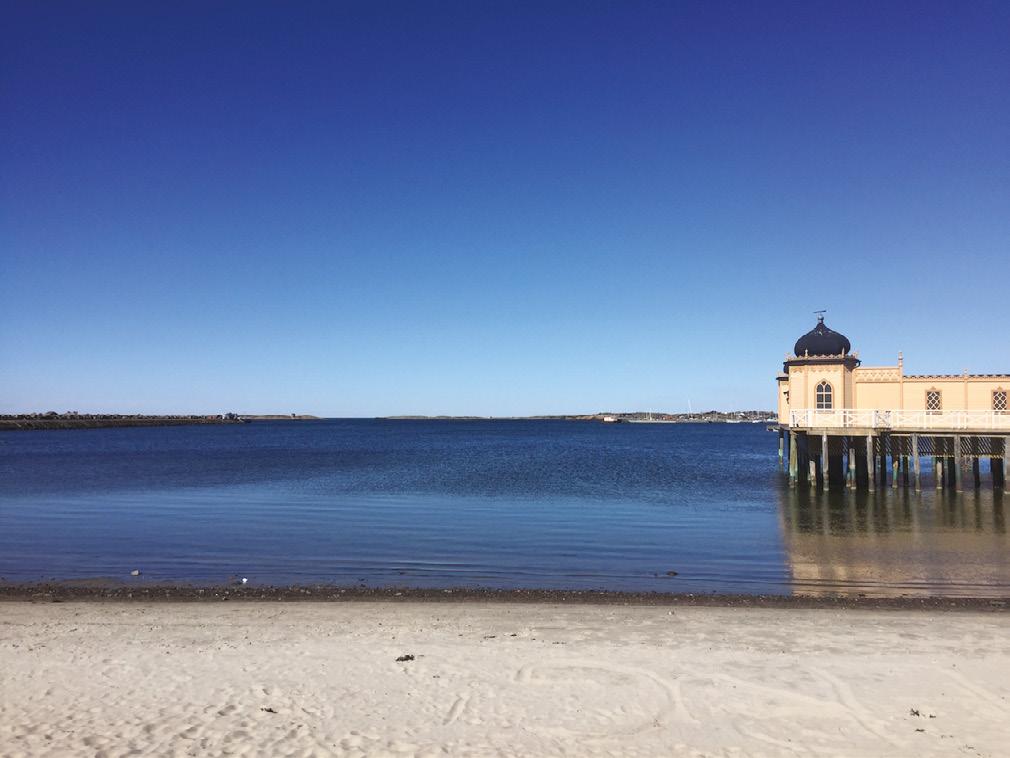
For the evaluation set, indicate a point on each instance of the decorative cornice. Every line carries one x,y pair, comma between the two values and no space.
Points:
877,374
849,360
958,377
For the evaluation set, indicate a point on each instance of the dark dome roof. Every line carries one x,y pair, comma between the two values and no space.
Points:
822,341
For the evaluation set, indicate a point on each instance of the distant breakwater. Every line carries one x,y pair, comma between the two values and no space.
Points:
27,423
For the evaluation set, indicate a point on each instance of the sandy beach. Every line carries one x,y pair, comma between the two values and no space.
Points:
243,678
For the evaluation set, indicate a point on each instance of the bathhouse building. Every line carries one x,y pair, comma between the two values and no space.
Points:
845,424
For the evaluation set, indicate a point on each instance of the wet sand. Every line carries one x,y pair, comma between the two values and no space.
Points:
107,589
499,678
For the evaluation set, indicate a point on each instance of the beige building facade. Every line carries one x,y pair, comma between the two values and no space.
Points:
824,385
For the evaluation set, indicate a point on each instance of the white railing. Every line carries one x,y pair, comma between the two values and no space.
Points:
895,419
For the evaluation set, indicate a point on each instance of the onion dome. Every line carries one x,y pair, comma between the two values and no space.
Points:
822,341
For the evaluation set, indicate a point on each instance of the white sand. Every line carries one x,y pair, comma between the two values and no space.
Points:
499,679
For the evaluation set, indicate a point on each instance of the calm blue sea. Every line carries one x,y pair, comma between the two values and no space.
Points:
545,504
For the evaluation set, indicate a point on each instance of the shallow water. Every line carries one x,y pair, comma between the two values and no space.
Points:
546,504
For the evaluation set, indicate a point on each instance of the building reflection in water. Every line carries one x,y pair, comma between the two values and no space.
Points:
896,543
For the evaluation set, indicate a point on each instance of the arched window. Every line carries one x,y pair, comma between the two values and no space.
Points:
934,401
825,401
999,401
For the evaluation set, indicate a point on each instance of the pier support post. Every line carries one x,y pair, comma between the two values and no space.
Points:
843,471
884,442
825,463
812,474
1003,461
894,464
916,464
938,470
1004,448
949,464
852,463
803,461
904,468
792,459
976,475
870,461
958,467
782,443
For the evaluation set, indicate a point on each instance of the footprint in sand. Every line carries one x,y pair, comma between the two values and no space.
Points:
455,710
589,692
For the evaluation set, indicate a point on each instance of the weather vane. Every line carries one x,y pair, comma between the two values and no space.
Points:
820,316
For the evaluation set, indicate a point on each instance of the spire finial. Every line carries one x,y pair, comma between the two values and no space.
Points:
820,316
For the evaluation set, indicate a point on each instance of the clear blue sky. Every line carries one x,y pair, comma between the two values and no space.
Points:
492,207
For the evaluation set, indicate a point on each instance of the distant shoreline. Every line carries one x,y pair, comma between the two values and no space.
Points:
49,421
278,417
36,422
636,417
102,422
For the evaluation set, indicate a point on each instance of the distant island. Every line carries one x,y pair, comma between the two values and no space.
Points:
616,417
75,420
278,417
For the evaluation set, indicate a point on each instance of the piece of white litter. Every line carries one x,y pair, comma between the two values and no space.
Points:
244,580
135,572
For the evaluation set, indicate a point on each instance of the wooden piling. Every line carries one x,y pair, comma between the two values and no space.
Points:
812,474
869,461
792,459
825,463
938,471
843,462
958,465
950,475
852,463
976,475
916,463
782,443
1003,461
